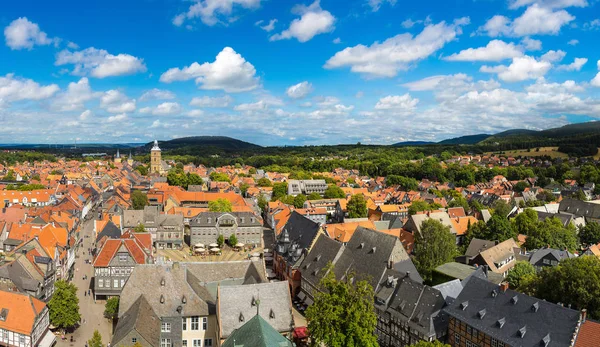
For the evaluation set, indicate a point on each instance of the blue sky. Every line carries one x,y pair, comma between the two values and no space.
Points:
294,72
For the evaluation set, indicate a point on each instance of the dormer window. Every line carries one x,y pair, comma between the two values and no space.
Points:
494,293
481,313
362,245
183,299
162,299
373,250
522,332
254,301
535,307
464,305
514,300
500,322
272,314
241,318
546,340
162,282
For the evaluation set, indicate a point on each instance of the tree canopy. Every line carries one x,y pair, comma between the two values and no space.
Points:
590,233
343,312
219,177
111,308
574,281
279,190
64,305
264,182
138,200
220,205
521,273
334,192
299,200
434,245
96,340
176,177
357,206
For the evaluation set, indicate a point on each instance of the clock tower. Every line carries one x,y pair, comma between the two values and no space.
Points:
155,161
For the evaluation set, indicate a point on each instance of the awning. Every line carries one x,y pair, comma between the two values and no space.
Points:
300,333
48,340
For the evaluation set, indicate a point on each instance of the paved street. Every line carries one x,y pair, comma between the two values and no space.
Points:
91,313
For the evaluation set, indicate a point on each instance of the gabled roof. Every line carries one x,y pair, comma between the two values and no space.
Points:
257,333
141,318
513,318
237,303
21,311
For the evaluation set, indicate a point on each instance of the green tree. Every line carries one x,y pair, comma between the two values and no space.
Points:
264,182
233,240
434,343
138,200
357,206
252,171
418,206
501,208
96,340
314,196
10,176
219,177
434,245
590,233
193,180
520,186
111,308
279,190
220,240
143,170
262,202
244,188
64,305
36,177
526,221
574,281
220,205
139,228
460,201
498,228
343,312
299,200
334,192
552,233
521,271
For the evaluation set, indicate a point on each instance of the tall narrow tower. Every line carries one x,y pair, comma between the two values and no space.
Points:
118,157
155,158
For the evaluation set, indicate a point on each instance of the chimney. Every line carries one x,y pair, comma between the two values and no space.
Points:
583,315
390,264
504,287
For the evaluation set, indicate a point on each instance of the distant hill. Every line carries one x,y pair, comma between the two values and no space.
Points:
413,143
204,142
465,140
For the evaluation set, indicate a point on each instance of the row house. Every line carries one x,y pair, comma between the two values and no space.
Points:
24,321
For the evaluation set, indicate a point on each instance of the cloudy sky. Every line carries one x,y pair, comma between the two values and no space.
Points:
277,72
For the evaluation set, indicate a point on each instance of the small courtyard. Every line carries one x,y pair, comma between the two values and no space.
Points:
226,254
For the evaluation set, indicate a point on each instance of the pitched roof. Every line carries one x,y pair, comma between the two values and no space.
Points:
513,318
141,318
21,311
257,333
238,303
589,334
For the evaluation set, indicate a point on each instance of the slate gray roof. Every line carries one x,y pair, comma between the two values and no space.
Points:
142,318
298,234
415,304
463,271
325,250
110,230
450,290
541,253
565,219
237,304
198,282
483,305
580,208
368,253
209,219
477,246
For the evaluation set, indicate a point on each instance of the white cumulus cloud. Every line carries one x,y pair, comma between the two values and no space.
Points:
521,68
157,94
75,97
24,34
313,21
16,89
536,20
114,101
404,103
385,59
229,72
212,12
99,63
300,90
164,109
207,101
495,50
267,27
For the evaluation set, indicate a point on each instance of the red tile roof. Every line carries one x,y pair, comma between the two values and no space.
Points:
589,334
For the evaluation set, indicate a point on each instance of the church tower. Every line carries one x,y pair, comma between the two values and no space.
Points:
155,162
130,159
118,157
